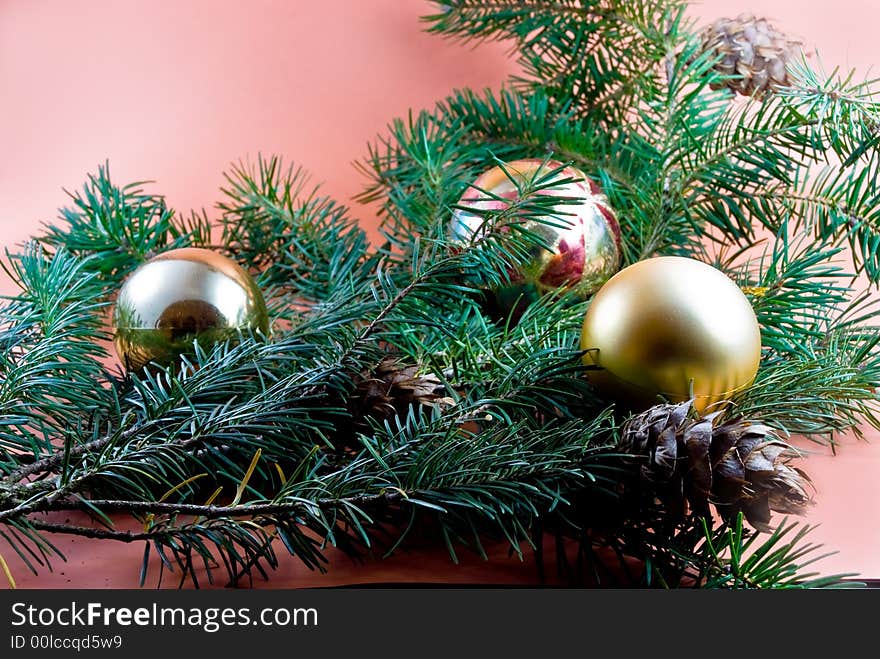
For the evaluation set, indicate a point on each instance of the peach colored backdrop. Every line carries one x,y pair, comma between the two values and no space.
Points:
173,90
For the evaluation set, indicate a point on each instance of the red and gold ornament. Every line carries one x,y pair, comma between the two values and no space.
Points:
583,239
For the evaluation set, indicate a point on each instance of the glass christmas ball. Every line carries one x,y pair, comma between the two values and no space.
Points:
672,327
181,296
583,242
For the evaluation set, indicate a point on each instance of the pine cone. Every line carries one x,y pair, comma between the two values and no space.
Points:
753,52
392,388
736,466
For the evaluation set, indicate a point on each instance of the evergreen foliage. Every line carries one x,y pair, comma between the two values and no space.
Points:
255,445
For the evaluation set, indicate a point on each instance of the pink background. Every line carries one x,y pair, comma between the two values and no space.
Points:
172,91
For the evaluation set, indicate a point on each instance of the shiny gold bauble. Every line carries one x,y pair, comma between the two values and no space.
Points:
181,296
581,235
671,327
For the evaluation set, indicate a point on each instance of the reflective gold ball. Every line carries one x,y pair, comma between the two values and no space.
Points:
181,296
671,327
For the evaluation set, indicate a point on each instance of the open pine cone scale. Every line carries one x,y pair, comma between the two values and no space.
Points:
735,466
753,55
391,388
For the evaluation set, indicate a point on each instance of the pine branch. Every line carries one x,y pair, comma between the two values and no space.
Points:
300,242
252,510
797,286
51,376
734,559
92,532
587,55
120,226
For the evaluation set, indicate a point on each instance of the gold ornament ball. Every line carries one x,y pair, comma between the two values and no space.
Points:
180,296
671,326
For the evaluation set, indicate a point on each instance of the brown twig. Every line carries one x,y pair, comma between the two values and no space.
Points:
52,462
208,512
96,533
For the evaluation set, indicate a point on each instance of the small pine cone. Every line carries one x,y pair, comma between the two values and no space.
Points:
753,52
736,466
392,388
